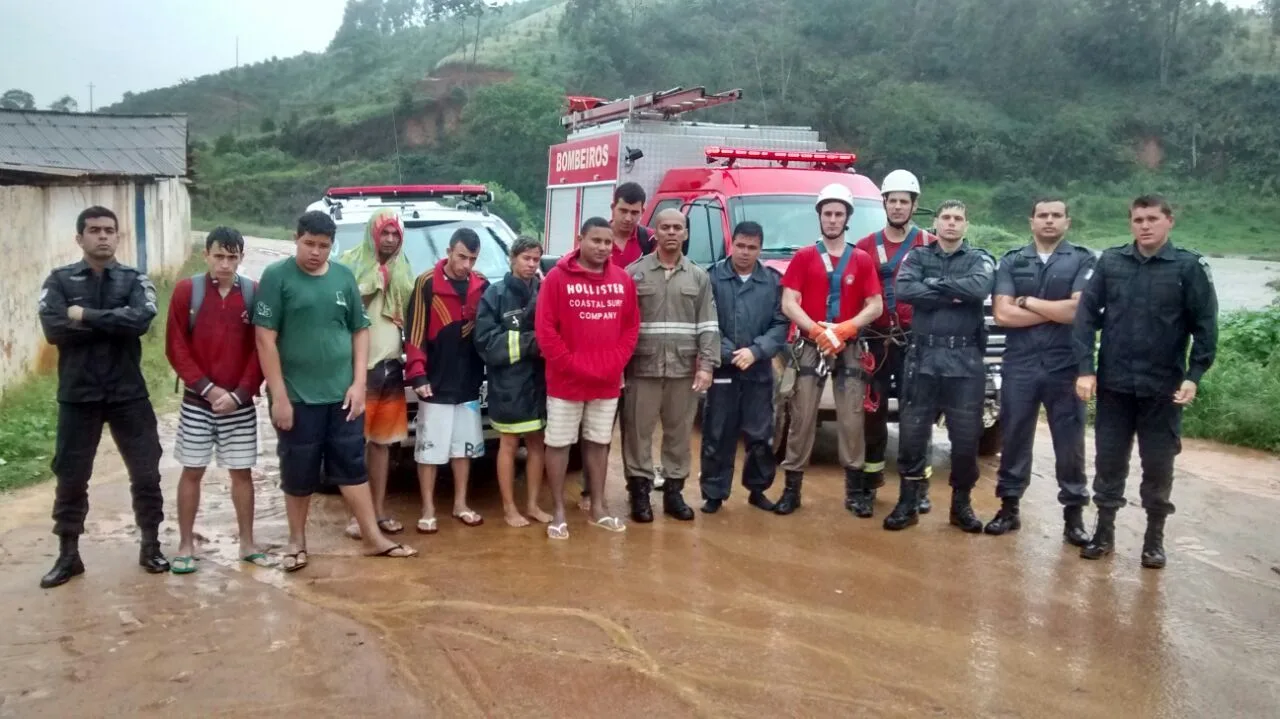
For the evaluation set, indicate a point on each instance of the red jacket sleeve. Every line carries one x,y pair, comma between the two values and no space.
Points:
177,340
546,329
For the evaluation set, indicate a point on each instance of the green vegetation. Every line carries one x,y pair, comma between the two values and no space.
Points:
1237,399
248,229
29,412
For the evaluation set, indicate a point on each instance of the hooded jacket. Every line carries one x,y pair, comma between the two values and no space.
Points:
587,326
438,347
506,341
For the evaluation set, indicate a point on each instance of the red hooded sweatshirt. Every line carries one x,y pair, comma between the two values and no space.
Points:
587,325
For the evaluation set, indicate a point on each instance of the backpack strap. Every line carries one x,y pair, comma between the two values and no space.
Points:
248,289
645,237
197,299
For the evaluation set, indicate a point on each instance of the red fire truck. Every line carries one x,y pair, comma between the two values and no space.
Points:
718,175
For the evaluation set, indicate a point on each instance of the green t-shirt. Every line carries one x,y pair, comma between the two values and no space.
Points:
315,316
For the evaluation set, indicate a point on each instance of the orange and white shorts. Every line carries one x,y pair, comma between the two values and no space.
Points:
386,413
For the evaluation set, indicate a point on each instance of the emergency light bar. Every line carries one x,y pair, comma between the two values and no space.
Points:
478,192
829,159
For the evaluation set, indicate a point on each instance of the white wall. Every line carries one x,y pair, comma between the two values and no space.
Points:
37,234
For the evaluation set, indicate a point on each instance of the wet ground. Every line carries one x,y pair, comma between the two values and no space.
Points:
737,614
1243,284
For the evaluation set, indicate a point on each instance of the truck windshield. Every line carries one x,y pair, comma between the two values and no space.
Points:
426,243
790,222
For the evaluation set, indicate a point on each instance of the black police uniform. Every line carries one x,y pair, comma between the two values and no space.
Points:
1148,308
1039,368
740,403
943,372
100,382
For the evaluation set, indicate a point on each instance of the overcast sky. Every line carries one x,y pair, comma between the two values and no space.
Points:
52,48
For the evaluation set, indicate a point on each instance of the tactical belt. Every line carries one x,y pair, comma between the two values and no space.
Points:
951,341
827,366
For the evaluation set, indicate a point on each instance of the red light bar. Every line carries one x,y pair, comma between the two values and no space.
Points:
407,191
743,153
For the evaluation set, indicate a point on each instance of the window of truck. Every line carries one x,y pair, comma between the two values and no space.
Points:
790,222
426,243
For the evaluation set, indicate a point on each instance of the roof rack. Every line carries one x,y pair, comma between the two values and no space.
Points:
589,111
820,160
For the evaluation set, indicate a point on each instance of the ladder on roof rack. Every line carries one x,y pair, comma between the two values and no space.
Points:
590,111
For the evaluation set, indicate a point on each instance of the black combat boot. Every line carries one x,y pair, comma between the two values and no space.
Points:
790,500
852,487
863,494
906,512
1103,541
673,500
875,480
924,506
638,489
149,556
761,501
962,514
1073,531
68,564
711,506
1153,543
1007,519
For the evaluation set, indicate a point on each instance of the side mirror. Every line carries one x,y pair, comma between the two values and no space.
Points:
546,263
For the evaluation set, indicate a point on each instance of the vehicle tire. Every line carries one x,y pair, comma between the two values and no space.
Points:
989,443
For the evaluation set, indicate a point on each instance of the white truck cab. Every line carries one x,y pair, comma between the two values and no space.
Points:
430,214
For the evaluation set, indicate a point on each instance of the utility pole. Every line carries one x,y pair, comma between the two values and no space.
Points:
90,97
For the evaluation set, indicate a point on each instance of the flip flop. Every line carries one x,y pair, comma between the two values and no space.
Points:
408,552
353,531
613,524
558,531
183,565
299,560
257,559
428,525
469,518
390,526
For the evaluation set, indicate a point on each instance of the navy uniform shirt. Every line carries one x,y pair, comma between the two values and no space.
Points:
100,356
1148,309
947,293
1022,273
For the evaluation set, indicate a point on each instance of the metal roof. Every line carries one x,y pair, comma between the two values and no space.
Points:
58,143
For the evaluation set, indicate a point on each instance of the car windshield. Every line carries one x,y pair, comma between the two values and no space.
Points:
790,223
427,242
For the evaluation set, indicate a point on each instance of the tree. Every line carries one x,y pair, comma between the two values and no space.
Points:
505,132
66,103
267,126
16,99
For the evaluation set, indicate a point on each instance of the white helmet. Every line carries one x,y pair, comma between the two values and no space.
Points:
900,181
835,192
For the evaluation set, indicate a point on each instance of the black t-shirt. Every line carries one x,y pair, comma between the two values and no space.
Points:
460,286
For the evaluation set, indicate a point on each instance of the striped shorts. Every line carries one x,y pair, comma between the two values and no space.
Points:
234,436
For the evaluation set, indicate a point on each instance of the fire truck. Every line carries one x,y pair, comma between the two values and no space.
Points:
717,175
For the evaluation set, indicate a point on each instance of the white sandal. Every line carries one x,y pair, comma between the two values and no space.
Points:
558,531
427,525
613,524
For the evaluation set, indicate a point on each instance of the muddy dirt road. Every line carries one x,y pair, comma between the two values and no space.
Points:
733,615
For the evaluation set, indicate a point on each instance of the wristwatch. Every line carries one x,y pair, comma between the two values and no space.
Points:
1021,302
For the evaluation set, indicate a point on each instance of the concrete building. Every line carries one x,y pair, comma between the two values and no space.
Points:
52,166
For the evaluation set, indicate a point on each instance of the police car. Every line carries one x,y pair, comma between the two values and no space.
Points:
430,215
